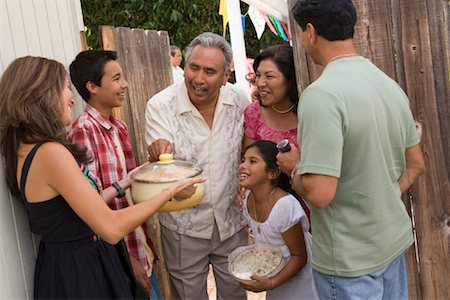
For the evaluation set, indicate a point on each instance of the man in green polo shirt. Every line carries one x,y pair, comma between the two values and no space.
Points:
359,153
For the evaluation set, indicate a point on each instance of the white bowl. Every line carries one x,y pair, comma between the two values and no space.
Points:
263,260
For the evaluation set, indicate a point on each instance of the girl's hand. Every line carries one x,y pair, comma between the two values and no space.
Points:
257,284
186,186
240,198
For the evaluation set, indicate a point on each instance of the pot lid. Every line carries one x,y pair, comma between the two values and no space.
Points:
167,169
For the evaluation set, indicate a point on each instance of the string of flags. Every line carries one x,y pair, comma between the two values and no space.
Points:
259,20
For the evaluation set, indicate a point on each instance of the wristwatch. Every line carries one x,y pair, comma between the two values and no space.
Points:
119,189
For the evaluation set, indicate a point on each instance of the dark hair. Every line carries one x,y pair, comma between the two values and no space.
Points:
268,151
333,19
173,50
31,109
283,57
89,66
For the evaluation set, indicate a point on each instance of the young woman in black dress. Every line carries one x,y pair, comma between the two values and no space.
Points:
76,257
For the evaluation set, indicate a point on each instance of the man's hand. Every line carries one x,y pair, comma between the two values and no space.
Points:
185,193
287,161
140,275
158,147
126,181
415,166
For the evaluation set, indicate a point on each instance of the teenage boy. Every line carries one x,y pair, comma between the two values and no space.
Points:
98,78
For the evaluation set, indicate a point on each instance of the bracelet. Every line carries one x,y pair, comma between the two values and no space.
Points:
171,194
120,191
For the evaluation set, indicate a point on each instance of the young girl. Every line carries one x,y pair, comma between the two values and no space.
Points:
276,217
76,257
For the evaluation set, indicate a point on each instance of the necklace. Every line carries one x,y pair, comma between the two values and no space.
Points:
257,219
342,56
283,111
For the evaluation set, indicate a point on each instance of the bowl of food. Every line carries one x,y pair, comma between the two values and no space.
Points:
155,177
262,260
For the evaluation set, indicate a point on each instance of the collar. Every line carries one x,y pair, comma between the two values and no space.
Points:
105,123
184,104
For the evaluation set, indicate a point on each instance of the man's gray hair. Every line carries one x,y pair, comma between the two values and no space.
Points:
212,40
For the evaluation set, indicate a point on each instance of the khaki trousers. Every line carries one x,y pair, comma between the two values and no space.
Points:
187,261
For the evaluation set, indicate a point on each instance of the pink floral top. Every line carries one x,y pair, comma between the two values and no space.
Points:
256,129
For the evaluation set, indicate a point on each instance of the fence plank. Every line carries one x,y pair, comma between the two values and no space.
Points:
431,194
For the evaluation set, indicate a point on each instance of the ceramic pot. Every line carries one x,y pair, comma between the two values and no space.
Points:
154,178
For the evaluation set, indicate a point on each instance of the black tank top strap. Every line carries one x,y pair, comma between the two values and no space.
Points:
26,168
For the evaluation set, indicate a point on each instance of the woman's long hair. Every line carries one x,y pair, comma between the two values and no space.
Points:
268,151
31,110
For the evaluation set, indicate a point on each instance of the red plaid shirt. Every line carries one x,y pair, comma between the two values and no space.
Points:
93,131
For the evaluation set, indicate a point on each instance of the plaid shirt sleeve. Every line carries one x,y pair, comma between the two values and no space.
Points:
126,145
83,138
104,168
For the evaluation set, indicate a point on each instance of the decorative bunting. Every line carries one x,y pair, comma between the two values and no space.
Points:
281,30
286,29
270,24
274,23
224,13
257,19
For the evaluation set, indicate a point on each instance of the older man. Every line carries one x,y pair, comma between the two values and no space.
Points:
360,152
201,120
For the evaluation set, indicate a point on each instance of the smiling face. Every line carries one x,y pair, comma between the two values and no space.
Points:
204,75
67,103
253,169
112,90
272,85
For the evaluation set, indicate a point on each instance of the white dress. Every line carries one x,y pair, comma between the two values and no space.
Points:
286,212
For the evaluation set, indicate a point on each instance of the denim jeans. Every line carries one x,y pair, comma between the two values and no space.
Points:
156,292
389,283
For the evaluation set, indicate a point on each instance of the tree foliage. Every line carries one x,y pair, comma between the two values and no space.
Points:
182,19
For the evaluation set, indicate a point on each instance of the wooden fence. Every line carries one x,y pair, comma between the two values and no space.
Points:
409,41
145,59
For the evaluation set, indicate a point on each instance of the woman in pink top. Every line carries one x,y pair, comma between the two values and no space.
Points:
274,116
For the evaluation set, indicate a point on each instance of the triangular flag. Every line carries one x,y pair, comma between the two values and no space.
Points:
274,23
269,24
286,29
224,13
281,30
257,19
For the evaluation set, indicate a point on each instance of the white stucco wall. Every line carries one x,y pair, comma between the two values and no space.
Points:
48,28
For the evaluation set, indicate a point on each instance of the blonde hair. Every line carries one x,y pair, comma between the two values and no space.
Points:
31,109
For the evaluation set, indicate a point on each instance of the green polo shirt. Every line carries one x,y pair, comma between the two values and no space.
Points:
355,124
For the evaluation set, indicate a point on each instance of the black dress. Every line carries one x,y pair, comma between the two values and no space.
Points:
72,261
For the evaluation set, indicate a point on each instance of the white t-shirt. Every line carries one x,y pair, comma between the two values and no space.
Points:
286,213
178,74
